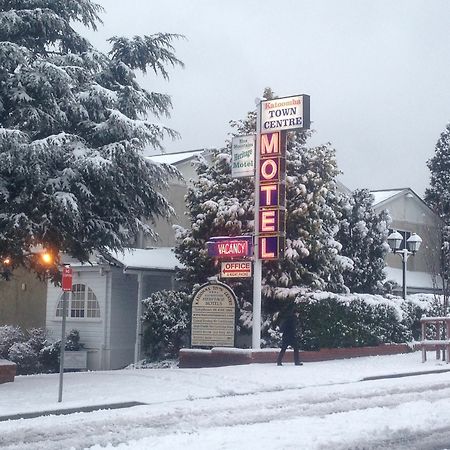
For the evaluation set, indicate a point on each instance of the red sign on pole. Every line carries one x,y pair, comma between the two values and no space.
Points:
67,278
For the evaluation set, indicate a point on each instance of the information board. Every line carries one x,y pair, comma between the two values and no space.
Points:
213,316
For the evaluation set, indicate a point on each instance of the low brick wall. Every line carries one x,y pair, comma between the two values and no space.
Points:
216,357
7,371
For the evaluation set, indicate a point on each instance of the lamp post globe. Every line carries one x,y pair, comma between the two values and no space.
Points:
395,240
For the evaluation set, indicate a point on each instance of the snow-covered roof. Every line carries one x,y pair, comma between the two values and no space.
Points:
416,280
381,196
162,258
175,158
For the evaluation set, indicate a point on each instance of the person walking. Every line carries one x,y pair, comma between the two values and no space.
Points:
289,330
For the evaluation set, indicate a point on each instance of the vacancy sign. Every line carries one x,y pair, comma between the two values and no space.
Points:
243,156
286,113
236,269
225,247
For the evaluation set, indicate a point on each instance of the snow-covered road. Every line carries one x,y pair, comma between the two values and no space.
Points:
319,405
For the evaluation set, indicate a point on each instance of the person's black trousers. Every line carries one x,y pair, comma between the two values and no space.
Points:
283,351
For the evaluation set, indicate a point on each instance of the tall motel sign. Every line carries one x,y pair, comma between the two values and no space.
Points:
264,157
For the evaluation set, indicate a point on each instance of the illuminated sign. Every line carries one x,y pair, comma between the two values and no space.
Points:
287,113
271,247
236,269
272,195
225,247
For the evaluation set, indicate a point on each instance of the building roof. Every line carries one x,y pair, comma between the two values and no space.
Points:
161,258
414,280
175,158
385,194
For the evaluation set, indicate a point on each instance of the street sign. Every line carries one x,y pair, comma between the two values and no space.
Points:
67,278
236,269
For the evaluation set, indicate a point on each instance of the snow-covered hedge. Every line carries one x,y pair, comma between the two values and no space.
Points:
330,320
31,350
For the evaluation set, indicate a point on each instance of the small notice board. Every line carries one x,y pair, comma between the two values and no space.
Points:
213,316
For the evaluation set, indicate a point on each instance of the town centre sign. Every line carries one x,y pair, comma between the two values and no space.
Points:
287,113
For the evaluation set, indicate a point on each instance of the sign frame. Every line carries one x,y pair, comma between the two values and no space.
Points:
230,297
243,156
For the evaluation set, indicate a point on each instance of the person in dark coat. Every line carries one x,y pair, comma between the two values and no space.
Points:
289,330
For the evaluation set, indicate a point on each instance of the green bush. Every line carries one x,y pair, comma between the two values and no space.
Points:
166,321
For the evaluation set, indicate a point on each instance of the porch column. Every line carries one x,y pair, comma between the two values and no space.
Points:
137,345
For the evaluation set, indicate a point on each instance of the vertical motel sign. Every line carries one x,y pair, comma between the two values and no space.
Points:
277,117
272,195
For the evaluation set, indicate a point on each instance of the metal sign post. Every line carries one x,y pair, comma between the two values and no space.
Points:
257,269
67,287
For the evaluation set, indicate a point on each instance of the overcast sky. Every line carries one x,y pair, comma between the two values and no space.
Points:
378,73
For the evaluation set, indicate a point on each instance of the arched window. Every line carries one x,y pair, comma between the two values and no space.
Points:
82,303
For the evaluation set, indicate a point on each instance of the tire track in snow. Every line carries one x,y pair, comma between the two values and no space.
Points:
87,429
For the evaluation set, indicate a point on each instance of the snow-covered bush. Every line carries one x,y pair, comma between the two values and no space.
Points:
32,351
166,321
25,357
9,334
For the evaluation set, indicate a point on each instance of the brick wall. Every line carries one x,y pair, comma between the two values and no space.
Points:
216,357
7,371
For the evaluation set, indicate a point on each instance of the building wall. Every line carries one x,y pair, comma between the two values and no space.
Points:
92,331
409,213
122,338
23,300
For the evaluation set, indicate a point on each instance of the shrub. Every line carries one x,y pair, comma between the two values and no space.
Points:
166,324
9,335
32,351
25,357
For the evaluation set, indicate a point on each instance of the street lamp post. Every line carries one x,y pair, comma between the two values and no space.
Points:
412,243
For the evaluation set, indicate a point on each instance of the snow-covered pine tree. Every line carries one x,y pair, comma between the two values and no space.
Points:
73,124
438,198
219,205
362,234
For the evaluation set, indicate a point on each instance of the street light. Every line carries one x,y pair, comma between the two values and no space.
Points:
413,243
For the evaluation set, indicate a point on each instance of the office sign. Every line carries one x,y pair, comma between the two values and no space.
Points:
243,156
287,113
236,269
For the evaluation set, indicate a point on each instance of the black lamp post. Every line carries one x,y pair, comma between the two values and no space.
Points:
413,243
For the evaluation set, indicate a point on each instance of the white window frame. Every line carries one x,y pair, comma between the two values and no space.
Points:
81,301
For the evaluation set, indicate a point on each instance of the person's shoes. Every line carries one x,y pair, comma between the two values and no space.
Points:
279,364
299,364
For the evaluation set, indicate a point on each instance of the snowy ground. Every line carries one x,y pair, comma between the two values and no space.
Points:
321,405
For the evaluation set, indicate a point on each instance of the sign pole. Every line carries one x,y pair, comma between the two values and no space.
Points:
63,344
257,272
67,287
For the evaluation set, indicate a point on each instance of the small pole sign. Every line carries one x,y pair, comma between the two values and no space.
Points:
243,156
236,269
67,278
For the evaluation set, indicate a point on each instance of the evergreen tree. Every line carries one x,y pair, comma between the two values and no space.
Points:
362,234
219,205
438,198
73,124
